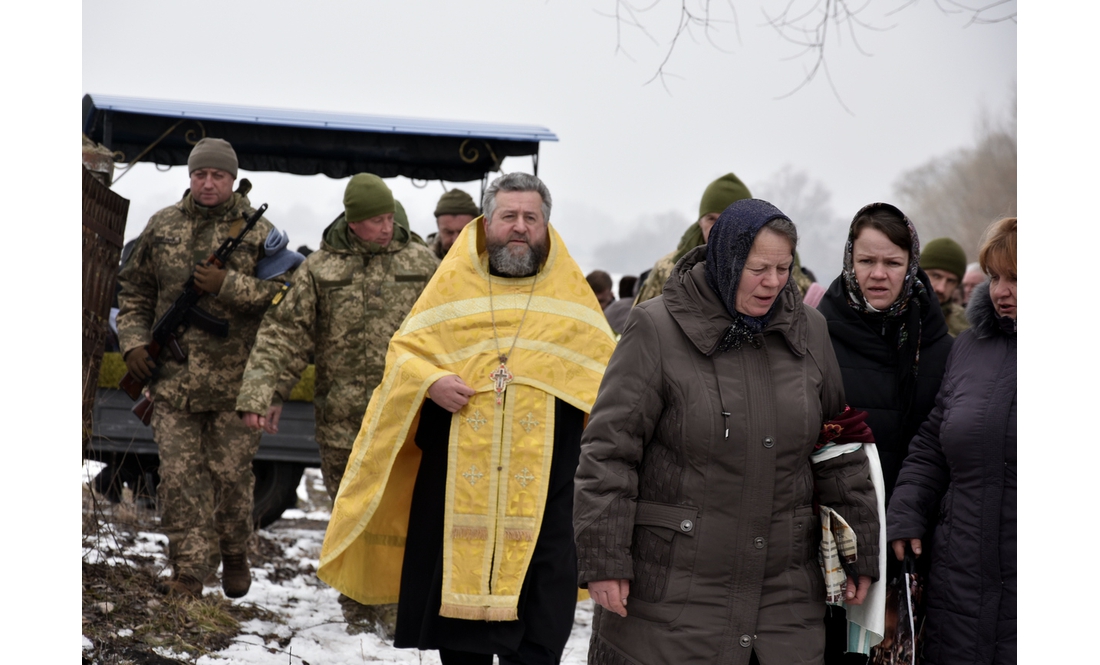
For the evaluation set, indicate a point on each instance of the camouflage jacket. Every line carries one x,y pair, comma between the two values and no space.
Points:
345,302
655,283
955,314
435,243
172,243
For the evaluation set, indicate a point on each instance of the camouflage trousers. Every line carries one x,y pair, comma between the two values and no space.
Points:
206,485
335,439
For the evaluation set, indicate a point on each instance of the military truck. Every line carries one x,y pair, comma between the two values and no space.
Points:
338,145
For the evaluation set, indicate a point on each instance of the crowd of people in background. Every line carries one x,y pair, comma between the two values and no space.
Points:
892,316
733,459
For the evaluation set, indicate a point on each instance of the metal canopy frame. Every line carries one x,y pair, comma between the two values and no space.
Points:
338,145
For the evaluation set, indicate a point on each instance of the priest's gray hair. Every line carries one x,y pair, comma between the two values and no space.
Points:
515,182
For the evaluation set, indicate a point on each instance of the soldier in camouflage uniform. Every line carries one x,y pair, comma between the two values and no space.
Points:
344,302
716,198
945,262
453,212
206,481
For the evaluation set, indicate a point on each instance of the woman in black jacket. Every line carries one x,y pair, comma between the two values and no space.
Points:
888,332
891,341
964,461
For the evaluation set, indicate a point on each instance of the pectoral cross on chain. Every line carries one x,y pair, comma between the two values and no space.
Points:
501,378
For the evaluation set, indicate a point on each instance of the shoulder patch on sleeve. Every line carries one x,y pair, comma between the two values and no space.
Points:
279,296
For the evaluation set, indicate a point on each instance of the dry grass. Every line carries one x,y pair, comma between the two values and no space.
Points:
126,619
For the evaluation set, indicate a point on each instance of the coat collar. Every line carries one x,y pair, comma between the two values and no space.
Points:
338,239
983,316
703,316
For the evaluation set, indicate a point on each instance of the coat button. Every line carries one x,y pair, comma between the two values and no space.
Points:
759,542
686,526
768,442
746,640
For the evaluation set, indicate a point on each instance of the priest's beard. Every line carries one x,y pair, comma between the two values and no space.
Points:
517,262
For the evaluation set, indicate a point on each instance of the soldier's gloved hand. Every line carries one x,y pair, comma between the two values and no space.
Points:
210,278
139,363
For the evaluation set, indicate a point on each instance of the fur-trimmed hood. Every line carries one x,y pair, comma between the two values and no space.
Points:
983,316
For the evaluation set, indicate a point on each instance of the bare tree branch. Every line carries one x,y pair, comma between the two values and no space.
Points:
692,16
626,13
808,27
811,25
996,11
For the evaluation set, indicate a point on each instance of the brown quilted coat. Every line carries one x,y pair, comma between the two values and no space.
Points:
711,515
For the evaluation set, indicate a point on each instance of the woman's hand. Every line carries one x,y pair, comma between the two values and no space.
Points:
899,547
610,594
451,393
854,595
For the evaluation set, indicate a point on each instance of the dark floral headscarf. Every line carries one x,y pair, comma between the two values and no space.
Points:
728,248
854,294
907,308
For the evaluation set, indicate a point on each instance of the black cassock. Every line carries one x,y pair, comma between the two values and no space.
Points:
548,597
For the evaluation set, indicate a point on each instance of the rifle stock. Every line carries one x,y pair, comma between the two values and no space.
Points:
143,409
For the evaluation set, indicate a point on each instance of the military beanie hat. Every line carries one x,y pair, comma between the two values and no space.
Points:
721,193
400,217
213,154
944,254
456,202
367,196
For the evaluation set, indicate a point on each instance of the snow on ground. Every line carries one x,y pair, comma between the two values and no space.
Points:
311,628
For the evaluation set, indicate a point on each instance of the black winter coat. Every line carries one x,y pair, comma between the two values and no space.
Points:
869,364
964,460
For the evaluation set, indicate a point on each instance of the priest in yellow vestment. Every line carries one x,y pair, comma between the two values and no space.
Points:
457,499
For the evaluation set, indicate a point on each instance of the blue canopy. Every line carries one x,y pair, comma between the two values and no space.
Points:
308,142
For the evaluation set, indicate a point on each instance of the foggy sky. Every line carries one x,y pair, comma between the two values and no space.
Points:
629,152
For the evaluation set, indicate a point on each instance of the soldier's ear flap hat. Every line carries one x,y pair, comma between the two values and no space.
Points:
211,153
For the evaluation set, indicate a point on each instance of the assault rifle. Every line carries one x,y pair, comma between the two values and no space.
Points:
180,316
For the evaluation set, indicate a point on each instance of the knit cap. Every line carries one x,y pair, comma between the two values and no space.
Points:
400,217
366,196
456,202
944,254
211,153
721,193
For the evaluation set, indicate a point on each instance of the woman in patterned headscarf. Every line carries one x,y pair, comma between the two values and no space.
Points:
890,339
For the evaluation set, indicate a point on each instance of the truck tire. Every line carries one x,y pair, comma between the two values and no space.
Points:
276,490
137,472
